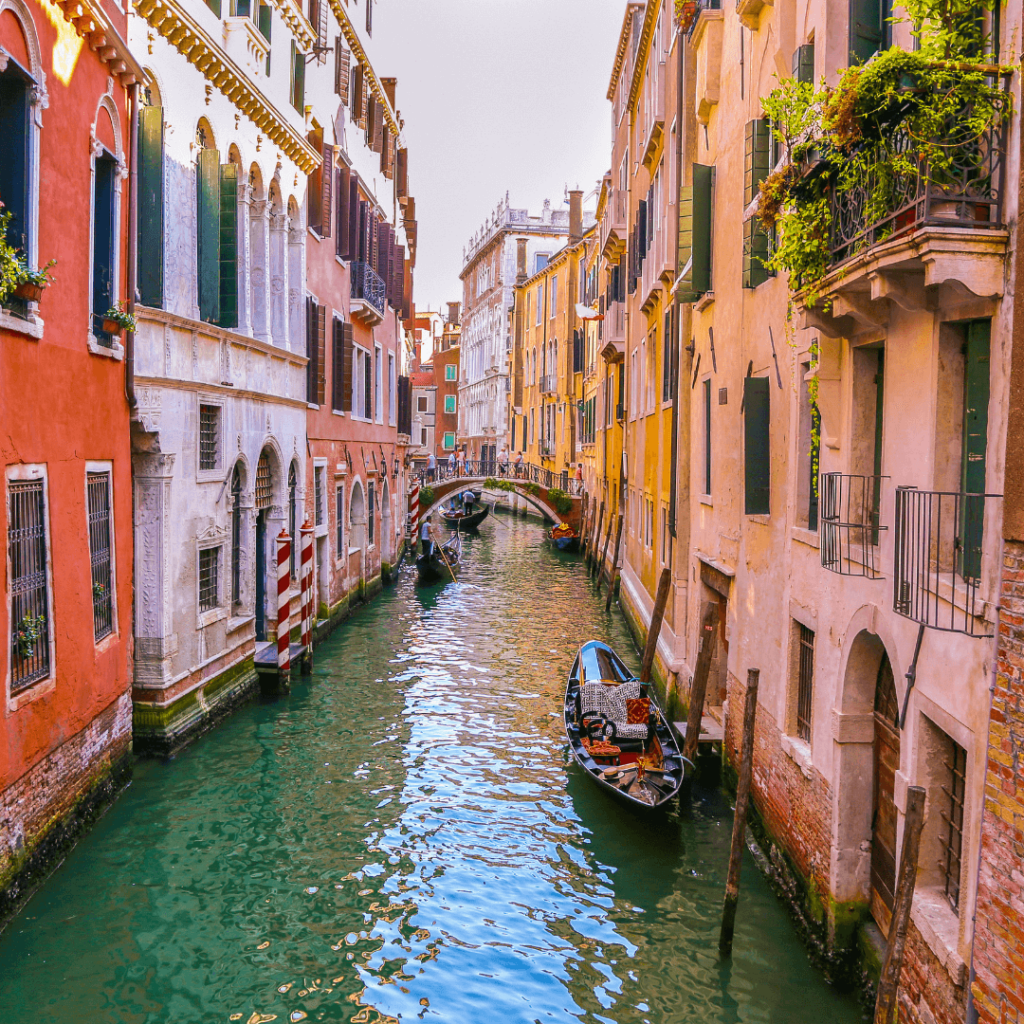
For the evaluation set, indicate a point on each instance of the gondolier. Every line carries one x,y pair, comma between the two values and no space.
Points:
426,544
468,499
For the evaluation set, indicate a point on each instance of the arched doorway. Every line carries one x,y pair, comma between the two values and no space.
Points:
386,528
237,486
264,499
293,489
884,816
357,518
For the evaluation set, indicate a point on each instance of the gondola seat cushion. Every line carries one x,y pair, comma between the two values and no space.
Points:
612,702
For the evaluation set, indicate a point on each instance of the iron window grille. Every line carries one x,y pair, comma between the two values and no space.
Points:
340,524
98,491
954,819
209,559
849,513
236,535
264,488
30,618
209,436
805,683
293,487
938,556
318,495
370,490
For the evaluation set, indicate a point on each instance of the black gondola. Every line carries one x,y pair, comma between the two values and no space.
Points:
617,731
464,520
443,562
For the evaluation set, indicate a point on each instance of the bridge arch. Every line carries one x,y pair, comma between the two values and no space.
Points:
444,489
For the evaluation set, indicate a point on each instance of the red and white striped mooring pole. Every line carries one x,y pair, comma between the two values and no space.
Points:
284,657
414,509
306,590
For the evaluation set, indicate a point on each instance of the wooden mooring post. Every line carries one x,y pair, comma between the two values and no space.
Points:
584,518
739,821
604,550
698,688
889,982
592,547
613,573
654,630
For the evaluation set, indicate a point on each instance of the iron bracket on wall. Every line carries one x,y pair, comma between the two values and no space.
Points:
911,676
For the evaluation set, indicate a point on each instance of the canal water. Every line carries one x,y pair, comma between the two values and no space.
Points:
404,837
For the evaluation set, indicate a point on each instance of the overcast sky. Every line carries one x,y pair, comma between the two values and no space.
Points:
497,95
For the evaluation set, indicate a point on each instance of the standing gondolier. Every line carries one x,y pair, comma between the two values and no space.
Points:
468,500
426,544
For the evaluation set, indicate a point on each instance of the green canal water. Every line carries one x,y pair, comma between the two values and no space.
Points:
404,837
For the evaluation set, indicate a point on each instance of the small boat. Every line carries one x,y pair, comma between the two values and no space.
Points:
564,537
464,520
617,731
443,562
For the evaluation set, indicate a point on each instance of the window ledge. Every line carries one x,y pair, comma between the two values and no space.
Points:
337,412
115,351
40,688
706,499
804,536
764,520
799,751
236,622
321,530
707,299
343,262
316,234
212,616
210,476
940,929
30,328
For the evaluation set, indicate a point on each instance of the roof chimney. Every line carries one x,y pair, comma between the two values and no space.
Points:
575,216
453,312
521,274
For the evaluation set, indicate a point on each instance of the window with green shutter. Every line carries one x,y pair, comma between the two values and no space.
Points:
756,447
975,443
803,63
756,154
208,235
695,220
151,206
449,403
865,29
756,253
228,246
264,20
298,90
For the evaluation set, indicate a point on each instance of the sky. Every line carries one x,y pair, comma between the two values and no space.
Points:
496,95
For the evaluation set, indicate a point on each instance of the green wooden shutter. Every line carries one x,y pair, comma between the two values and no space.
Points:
298,78
151,206
756,151
14,167
803,63
695,235
311,349
865,29
265,24
346,367
214,6
756,447
228,246
755,254
975,444
208,261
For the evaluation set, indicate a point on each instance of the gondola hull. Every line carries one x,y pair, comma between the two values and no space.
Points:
648,790
568,542
433,568
461,521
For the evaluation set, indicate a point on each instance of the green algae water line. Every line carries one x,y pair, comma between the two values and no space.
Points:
404,837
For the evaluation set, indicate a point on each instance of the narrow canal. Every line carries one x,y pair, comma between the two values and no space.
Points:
403,838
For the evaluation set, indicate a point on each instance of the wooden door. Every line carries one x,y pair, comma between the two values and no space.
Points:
887,761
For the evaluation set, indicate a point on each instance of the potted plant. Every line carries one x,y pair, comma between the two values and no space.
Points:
118,319
687,11
30,283
29,630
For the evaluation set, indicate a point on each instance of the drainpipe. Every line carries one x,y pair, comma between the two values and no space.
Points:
678,307
133,173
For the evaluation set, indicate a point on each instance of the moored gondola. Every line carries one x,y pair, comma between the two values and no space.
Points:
617,731
442,563
564,537
464,520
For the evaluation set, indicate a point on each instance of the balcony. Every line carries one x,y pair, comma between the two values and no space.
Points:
549,384
849,525
654,135
614,228
923,233
614,348
939,558
368,298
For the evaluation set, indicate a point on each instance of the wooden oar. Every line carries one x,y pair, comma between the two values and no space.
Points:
444,557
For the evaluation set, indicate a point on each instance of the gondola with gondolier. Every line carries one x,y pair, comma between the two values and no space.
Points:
460,515
438,561
564,537
617,731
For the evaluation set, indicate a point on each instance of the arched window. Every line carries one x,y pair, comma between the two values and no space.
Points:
292,492
236,535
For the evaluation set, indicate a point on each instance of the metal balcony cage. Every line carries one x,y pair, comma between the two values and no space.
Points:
368,286
899,193
938,559
849,523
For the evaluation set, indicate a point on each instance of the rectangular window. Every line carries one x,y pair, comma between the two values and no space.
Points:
339,514
371,488
150,206
228,316
319,493
540,303
756,447
209,436
104,235
449,371
27,556
378,403
449,440
15,144
98,491
554,296
449,403
805,682
707,436
421,403
391,389
423,435
208,235
209,565
298,79
367,386
954,838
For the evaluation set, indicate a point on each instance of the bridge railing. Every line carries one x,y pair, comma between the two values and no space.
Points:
525,472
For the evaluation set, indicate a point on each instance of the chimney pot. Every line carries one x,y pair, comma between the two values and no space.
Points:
575,216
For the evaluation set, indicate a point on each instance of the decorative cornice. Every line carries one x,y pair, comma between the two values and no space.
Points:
293,18
352,38
94,26
642,49
169,19
620,51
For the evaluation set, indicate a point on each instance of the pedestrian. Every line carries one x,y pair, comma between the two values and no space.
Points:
519,464
503,462
451,464
579,477
462,461
431,467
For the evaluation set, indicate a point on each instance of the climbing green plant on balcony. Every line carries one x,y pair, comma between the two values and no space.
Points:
899,122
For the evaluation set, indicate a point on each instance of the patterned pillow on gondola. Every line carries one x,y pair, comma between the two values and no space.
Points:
638,710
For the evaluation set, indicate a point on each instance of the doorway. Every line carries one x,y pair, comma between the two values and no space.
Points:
884,816
261,574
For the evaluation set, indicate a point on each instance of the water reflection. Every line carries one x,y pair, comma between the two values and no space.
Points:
404,838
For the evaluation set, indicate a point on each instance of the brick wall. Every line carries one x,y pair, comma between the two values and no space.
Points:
927,994
998,988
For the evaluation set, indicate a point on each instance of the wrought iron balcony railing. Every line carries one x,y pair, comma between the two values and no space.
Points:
848,510
548,384
889,202
368,286
938,558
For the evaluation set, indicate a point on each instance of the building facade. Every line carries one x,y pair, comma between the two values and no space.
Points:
488,279
68,84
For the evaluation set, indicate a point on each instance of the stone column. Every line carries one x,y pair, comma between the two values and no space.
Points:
279,279
245,201
259,268
296,282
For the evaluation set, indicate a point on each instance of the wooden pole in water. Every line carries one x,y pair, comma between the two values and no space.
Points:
615,566
604,550
584,516
592,548
708,635
739,821
888,985
657,617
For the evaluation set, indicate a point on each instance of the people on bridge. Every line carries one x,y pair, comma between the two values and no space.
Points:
503,462
519,464
462,461
431,467
451,464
